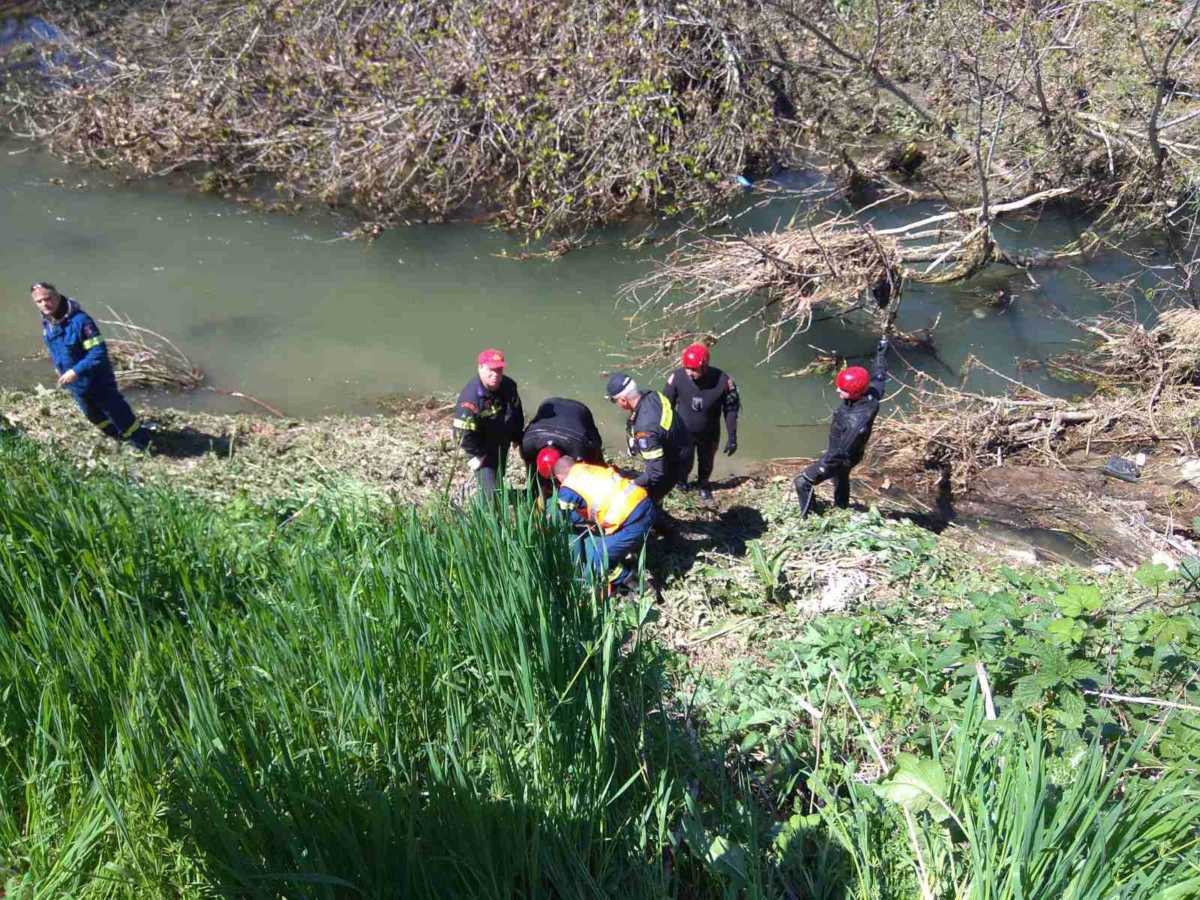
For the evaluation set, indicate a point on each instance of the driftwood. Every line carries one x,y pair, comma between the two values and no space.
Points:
145,359
775,280
956,433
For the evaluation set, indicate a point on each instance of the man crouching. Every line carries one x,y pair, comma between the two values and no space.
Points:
616,512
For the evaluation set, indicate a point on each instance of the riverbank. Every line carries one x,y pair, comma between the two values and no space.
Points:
725,564
314,685
563,116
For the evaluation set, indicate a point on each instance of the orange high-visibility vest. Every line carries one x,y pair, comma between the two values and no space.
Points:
610,496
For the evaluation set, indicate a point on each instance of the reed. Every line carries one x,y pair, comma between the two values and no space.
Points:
195,702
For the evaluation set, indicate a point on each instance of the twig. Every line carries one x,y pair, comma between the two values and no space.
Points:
1142,701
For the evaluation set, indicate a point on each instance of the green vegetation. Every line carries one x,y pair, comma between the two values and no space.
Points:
357,699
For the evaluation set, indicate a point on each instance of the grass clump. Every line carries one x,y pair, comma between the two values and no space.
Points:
203,703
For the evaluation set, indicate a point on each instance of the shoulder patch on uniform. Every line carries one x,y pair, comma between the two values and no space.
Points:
644,442
90,329
467,404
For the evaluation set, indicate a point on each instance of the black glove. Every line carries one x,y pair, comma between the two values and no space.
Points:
731,447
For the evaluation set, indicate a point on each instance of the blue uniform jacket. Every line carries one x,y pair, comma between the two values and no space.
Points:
74,342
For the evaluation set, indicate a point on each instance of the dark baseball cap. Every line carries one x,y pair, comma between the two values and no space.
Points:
617,382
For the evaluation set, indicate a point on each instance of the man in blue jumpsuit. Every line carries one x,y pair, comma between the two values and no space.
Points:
81,360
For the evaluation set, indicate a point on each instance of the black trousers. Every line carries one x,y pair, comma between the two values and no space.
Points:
489,475
703,454
820,471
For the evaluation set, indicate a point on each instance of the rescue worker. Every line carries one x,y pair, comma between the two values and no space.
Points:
488,419
80,357
615,511
567,425
849,431
701,394
654,433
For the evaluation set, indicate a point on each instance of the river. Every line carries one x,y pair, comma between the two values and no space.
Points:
285,308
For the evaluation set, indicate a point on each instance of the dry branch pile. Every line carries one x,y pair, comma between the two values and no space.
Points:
556,113
775,277
145,359
1148,397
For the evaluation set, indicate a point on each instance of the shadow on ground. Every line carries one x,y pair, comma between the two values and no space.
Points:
187,443
695,532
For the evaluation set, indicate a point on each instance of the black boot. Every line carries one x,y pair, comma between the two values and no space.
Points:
804,493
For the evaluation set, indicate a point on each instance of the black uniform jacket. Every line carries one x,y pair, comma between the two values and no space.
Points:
567,425
700,403
488,420
658,436
853,420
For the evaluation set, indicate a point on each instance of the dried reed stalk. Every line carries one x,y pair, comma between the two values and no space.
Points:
146,359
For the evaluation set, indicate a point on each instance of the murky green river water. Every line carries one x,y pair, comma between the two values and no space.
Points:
284,309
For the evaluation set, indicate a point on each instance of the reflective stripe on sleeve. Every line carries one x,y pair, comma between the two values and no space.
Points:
465,424
96,341
668,414
652,454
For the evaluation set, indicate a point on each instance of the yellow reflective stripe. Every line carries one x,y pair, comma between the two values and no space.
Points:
610,497
615,574
93,342
465,424
137,423
566,504
668,414
652,454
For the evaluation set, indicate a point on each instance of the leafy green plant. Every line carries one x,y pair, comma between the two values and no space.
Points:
768,566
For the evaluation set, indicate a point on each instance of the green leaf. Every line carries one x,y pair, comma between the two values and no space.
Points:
1153,575
916,784
1066,631
727,856
1070,709
1080,669
1078,599
1027,692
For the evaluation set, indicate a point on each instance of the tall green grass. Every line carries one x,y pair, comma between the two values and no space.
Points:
202,702
995,817
427,706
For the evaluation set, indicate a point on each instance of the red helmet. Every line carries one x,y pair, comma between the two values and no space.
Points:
546,459
853,381
695,356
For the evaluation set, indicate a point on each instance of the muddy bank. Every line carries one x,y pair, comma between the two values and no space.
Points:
406,455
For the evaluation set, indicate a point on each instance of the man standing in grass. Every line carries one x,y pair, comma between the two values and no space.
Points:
488,419
81,360
654,433
614,511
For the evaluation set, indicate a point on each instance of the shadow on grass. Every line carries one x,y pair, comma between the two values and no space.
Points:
686,539
187,443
